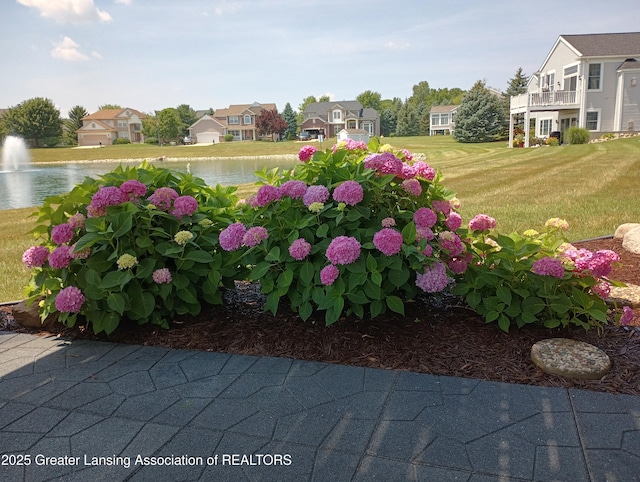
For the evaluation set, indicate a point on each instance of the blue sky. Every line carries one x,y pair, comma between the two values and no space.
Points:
152,54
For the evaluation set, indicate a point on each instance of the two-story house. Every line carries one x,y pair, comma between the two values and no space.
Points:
105,126
329,118
589,81
441,121
240,120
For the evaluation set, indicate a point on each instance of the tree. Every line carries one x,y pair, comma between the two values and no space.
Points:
388,120
37,119
109,106
421,93
169,125
407,124
480,117
324,98
269,122
289,117
518,84
187,118
74,122
370,99
308,100
150,126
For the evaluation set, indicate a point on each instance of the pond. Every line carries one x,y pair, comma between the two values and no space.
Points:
32,184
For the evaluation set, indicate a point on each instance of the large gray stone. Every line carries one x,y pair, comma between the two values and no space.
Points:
29,316
631,241
624,229
570,358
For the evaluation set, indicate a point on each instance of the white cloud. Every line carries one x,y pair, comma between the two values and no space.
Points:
67,49
225,7
401,45
123,2
68,11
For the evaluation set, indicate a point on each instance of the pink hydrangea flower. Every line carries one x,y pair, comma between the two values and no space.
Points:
293,189
329,274
299,249
163,198
423,170
412,186
408,172
425,217
388,241
423,232
600,264
62,233
35,256
441,206
60,257
133,189
408,156
254,236
267,194
451,242
434,279
627,316
453,221
69,300
459,264
184,206
602,289
106,196
76,221
549,267
315,194
428,249
231,236
388,222
162,275
482,222
343,250
384,163
349,192
306,153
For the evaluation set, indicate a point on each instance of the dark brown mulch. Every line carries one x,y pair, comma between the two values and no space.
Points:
437,336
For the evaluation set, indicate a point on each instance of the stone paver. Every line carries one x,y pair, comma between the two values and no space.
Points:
99,411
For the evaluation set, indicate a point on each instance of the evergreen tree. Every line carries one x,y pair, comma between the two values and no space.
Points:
36,119
480,117
73,123
407,124
187,118
308,100
289,117
518,84
388,120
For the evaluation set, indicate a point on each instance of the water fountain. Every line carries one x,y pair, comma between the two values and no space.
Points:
15,156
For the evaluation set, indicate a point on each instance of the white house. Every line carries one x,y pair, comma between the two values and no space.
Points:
442,119
353,134
588,81
207,130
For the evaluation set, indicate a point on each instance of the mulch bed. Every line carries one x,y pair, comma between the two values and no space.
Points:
437,335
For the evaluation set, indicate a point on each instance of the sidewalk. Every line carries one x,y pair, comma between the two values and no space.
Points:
98,411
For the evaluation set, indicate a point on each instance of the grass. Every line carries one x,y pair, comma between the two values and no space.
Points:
595,187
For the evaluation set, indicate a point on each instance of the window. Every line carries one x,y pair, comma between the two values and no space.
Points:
593,121
234,119
444,119
122,123
435,119
548,82
545,127
439,119
337,115
595,77
247,119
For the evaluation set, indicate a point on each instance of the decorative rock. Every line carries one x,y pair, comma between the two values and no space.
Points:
624,229
29,317
625,295
631,241
570,359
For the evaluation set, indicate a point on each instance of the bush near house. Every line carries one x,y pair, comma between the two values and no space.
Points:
576,135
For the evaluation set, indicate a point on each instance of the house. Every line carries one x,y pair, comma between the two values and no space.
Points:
240,120
207,130
589,81
353,134
442,119
329,118
107,125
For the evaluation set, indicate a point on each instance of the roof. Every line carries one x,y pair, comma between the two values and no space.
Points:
629,64
605,44
321,109
438,109
238,109
112,114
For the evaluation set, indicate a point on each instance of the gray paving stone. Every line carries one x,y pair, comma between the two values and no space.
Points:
445,452
203,365
407,405
49,447
612,466
307,391
39,420
555,462
79,395
166,375
341,381
418,382
275,401
387,470
349,435
335,466
596,402
557,428
182,412
504,454
221,415
147,405
205,388
104,406
74,423
250,383
270,365
400,440
310,427
12,411
379,380
606,430
133,384
16,442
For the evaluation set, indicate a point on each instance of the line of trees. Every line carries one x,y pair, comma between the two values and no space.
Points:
482,115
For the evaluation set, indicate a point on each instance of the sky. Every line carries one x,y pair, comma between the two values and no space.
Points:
153,54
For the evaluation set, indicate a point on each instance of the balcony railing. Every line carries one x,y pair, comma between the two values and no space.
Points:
545,99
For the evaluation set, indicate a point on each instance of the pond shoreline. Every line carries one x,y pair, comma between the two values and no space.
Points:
168,159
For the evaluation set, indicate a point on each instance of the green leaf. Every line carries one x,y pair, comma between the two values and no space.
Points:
188,295
376,307
533,305
376,278
504,294
395,304
273,254
273,300
491,316
307,272
260,270
399,278
305,310
322,231
504,323
372,265
122,224
409,233
116,302
87,240
115,278
285,278
357,279
198,256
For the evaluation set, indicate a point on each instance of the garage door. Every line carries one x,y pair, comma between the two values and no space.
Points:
208,137
94,140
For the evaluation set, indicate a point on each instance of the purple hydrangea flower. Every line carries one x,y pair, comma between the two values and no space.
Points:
76,221
482,222
35,256
388,241
267,194
627,316
60,257
294,189
69,300
300,249
549,267
349,192
254,236
453,221
106,196
343,250
423,170
306,153
184,206
451,242
315,194
62,233
329,274
412,186
425,217
434,279
162,275
163,198
384,163
441,206
388,222
133,189
231,236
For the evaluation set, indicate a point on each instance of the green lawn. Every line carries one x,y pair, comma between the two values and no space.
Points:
595,187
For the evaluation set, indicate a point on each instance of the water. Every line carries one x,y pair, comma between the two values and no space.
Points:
15,155
31,185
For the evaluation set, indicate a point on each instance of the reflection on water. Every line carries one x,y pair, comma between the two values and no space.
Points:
30,187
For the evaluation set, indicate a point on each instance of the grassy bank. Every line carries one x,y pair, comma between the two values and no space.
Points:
595,187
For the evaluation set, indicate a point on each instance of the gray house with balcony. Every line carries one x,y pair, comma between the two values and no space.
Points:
588,81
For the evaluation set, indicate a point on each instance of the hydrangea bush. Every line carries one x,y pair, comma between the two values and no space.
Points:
536,277
138,244
354,230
